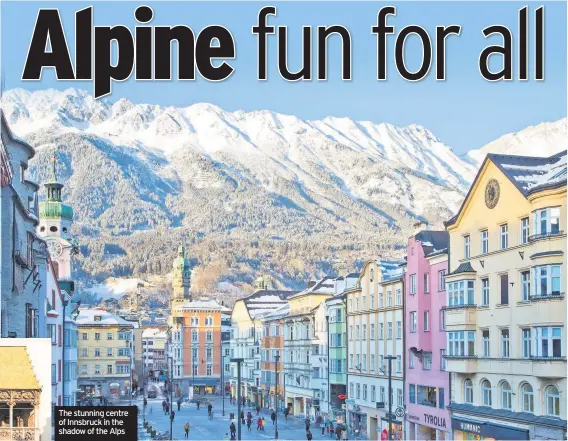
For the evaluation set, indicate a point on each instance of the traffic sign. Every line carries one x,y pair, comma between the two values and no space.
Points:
350,401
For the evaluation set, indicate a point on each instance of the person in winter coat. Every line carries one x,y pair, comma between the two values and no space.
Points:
249,415
307,422
249,422
308,435
286,412
259,424
242,416
273,417
232,429
263,424
186,429
179,405
173,414
257,410
338,432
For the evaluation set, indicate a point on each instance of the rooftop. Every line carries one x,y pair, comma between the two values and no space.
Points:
99,317
17,371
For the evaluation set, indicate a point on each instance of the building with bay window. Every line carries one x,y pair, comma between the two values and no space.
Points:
506,308
374,331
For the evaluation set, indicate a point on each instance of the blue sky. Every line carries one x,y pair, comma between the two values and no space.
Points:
465,111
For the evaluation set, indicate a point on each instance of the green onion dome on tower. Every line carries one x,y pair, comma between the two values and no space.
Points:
53,207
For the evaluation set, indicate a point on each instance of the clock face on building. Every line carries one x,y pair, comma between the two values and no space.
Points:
492,193
55,248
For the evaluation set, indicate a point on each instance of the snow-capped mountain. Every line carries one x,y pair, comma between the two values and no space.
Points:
544,139
261,188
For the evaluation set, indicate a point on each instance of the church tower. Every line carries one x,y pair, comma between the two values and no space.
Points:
55,220
181,277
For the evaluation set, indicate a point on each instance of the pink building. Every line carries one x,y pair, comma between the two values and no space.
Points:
427,383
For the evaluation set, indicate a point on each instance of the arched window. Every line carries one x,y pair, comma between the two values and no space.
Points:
486,393
506,395
468,391
552,401
42,228
527,397
53,228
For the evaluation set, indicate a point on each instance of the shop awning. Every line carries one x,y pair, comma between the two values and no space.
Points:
488,429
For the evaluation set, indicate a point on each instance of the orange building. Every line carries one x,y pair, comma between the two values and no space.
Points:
271,346
194,344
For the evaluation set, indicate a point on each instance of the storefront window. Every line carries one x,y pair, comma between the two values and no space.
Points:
427,396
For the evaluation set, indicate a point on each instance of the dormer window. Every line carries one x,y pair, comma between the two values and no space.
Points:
98,318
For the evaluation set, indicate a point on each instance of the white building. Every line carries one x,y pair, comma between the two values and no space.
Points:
154,350
374,331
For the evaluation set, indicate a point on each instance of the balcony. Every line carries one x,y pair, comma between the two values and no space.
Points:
19,434
558,295
461,365
461,315
546,235
544,367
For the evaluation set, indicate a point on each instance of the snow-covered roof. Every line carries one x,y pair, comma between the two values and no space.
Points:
391,269
87,317
325,285
263,302
281,311
203,303
531,174
154,333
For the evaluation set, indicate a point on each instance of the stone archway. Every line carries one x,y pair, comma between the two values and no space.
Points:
19,410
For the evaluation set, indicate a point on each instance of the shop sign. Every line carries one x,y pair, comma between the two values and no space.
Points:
465,426
438,421
350,401
413,418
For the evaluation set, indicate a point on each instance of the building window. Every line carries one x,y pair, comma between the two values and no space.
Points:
364,332
526,337
372,362
426,321
484,292
441,402
109,368
505,343
373,394
357,334
194,335
461,293
427,362
525,286
53,374
372,301
381,331
442,359
552,401
410,360
546,280
413,284
381,362
466,246
365,392
426,283
109,335
97,352
371,275
398,297
484,241
84,336
442,320
525,230
441,280
389,298
468,391
504,237
358,389
351,391
382,394
548,342
413,321
380,300
209,370
398,329
504,278
97,369
485,340
52,333
427,396
506,395
486,393
412,393
399,363
209,336
461,344
547,221
372,331
97,336
109,352
389,330
399,398
527,398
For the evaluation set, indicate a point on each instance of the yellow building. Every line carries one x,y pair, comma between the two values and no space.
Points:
104,353
506,308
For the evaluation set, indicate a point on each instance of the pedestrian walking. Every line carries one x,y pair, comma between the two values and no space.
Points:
198,404
338,432
263,424
273,417
249,423
186,429
173,415
179,405
164,406
258,424
307,423
242,416
167,411
232,429
249,415
257,409
286,412
309,435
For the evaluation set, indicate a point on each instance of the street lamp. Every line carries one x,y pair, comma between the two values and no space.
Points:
239,361
277,357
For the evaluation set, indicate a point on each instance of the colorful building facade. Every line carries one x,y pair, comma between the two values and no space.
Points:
506,306
427,383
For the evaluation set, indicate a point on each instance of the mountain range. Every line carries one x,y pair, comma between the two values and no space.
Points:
260,191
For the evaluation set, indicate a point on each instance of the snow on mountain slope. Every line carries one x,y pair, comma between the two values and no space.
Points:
544,139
